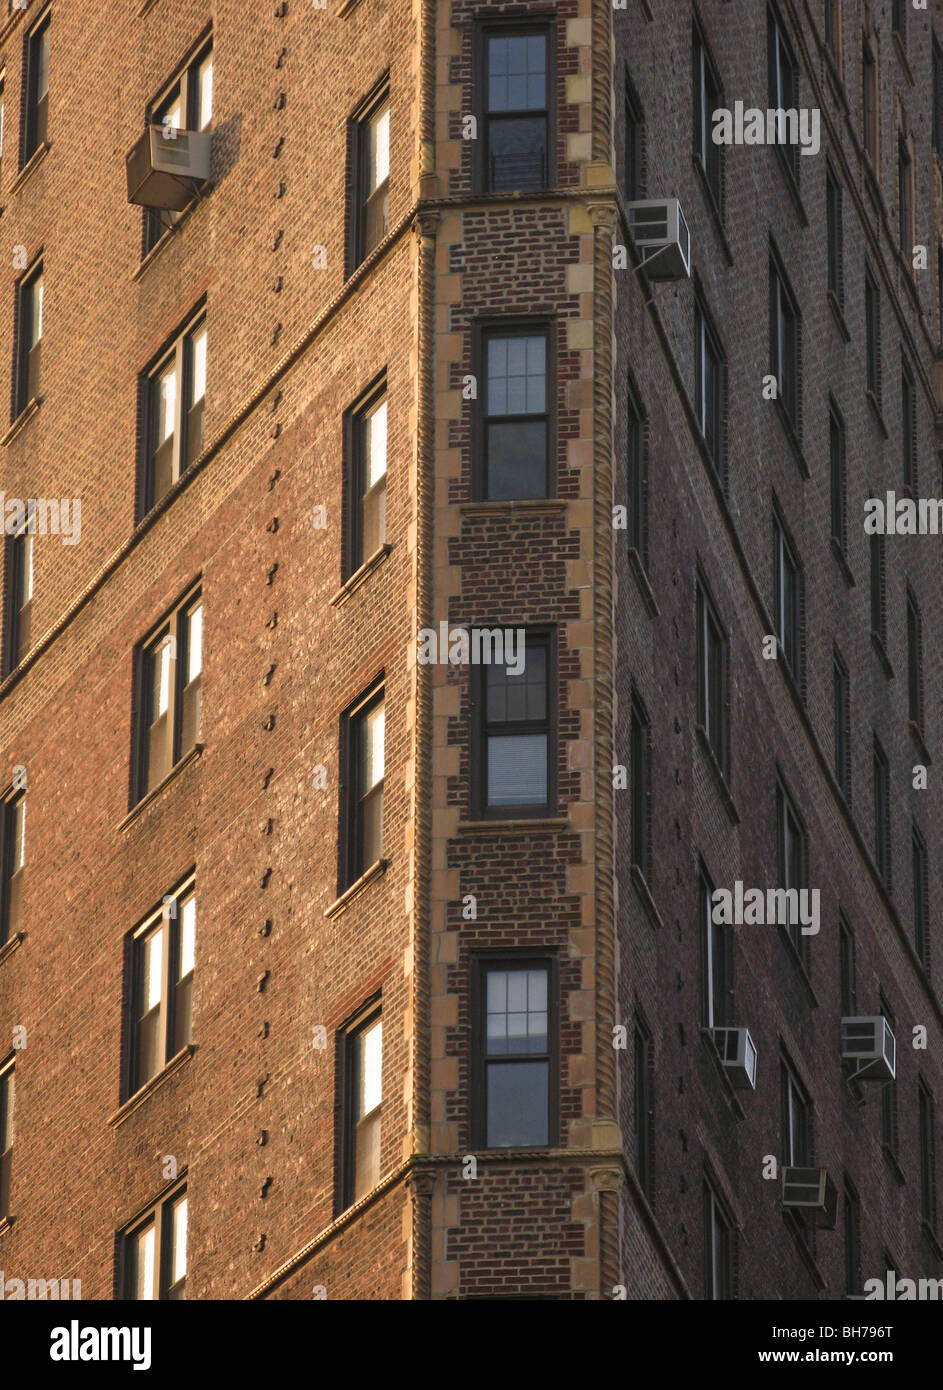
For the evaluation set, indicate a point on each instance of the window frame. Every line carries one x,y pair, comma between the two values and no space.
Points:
785,342
27,368
351,865
906,224
160,1214
355,418
513,26
782,72
708,89
851,1221
175,626
920,875
365,1017
838,475
177,350
795,1104
513,958
484,331
872,333
35,112
12,865
847,984
835,235
168,919
716,965
540,635
786,812
185,82
927,1149
707,345
20,573
881,799
7,1123
870,96
359,126
783,549
841,715
717,1250
908,413
889,1131
640,786
706,618
915,694
633,155
637,474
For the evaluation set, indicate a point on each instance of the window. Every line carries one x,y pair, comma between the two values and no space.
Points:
19,593
162,957
797,1121
908,412
366,462
711,676
361,1059
14,862
707,98
846,969
937,98
36,107
6,1136
363,749
155,1251
905,197
639,754
642,1135
514,732
716,943
187,104
869,104
841,708
371,176
788,598
882,814
832,26
708,385
515,427
718,1248
3,109
921,883
852,1224
784,342
175,399
888,1095
783,83
515,1052
29,337
834,236
637,479
872,332
517,146
927,1157
792,855
899,19
914,662
878,587
939,289
633,181
170,665
836,460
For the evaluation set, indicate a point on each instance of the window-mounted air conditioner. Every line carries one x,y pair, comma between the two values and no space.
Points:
661,237
811,1190
738,1054
870,1043
165,170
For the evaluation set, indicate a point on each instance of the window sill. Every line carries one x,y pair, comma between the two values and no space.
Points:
709,1043
34,161
167,236
876,411
644,892
485,827
521,504
793,437
917,737
148,5
194,753
641,579
713,208
801,967
22,420
148,1089
358,576
719,777
836,309
346,8
892,1163
843,565
792,183
8,947
878,644
6,1224
375,870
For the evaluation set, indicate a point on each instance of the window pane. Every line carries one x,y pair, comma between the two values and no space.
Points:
378,166
36,311
373,737
179,1255
517,460
187,935
517,376
370,1044
198,341
42,64
27,590
375,445
160,689
517,1109
517,73
516,1012
194,642
517,770
166,402
144,1251
153,969
204,91
19,834
517,148
6,1113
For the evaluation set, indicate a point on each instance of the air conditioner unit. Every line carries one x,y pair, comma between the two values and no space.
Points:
812,1190
164,171
661,237
738,1055
869,1042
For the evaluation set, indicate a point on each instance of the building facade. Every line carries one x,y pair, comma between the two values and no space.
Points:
417,607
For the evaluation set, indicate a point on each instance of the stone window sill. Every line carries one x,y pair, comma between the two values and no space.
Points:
34,161
358,576
194,753
375,870
486,827
25,415
148,1089
522,504
8,947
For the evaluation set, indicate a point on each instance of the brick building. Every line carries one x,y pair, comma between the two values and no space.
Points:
328,969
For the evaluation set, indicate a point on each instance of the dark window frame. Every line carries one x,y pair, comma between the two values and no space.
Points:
870,118
782,74
513,958
640,785
708,96
351,865
872,326
788,634
20,564
835,235
27,358
358,241
643,1105
637,474
841,714
937,120
184,709
346,1040
355,418
908,414
176,994
540,634
13,871
790,822
718,1224
157,225
920,876
35,115
7,1122
889,1131
513,26
881,796
160,1213
785,342
838,475
796,1104
711,415
927,1146
848,989
906,225
633,159
915,696
483,332
713,721
716,951
851,1220
188,414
